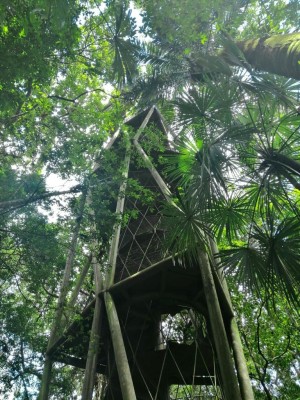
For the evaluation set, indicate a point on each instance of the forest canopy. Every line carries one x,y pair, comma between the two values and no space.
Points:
225,77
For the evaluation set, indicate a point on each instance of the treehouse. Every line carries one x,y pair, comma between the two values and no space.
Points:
152,324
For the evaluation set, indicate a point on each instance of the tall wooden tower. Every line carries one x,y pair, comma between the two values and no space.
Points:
156,320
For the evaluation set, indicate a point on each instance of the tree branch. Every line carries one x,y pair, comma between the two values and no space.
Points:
4,205
82,94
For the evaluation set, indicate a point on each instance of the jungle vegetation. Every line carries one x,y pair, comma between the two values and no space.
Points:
225,76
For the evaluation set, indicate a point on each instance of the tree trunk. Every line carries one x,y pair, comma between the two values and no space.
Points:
79,284
238,352
17,203
46,378
278,54
94,343
229,379
56,326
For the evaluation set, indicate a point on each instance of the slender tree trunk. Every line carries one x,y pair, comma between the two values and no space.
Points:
17,203
229,379
79,283
238,352
92,357
56,326
46,378
278,54
67,274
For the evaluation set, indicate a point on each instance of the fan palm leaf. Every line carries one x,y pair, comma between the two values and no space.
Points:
125,47
280,245
186,228
271,259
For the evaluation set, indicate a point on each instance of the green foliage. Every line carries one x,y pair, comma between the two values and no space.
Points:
32,32
70,73
271,342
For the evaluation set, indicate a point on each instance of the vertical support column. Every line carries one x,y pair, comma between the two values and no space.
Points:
46,379
79,283
91,363
126,383
113,251
123,369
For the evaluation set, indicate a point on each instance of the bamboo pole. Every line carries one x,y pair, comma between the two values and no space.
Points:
113,251
46,379
123,369
94,342
238,353
124,373
67,273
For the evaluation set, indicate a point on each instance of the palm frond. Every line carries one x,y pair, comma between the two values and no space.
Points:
271,260
230,217
125,46
280,244
268,87
186,230
211,103
246,264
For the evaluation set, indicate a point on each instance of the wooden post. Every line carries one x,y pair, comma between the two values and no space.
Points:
124,373
91,362
113,251
123,369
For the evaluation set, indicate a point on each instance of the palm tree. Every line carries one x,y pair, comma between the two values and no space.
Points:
278,54
237,175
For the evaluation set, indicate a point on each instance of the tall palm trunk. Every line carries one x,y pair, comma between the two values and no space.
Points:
278,54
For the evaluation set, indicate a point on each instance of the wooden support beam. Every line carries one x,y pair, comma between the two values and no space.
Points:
144,123
126,383
113,251
46,379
